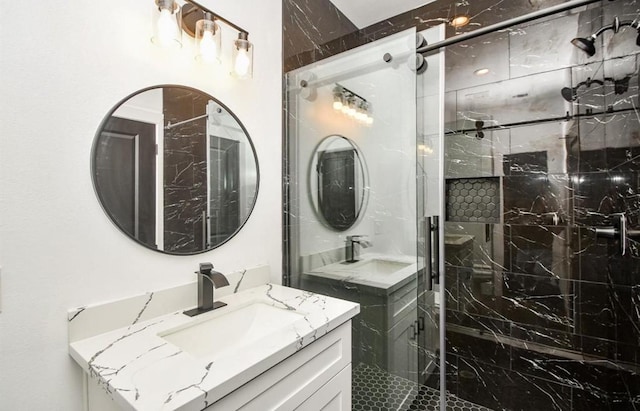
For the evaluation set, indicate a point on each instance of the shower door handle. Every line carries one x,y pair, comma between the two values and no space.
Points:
613,232
428,267
432,249
435,231
205,229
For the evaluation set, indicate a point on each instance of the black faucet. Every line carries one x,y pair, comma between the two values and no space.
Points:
207,281
351,252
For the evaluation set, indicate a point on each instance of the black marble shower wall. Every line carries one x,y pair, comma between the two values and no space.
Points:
185,171
310,28
543,314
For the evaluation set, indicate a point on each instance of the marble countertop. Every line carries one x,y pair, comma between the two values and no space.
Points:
142,371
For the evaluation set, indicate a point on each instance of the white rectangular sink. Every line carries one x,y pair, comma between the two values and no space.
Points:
377,266
232,330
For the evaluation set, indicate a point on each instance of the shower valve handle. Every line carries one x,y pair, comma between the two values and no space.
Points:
613,232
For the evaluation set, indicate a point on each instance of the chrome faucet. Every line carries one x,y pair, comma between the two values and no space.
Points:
351,249
207,281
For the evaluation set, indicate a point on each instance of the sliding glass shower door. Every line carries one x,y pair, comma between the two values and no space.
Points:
360,182
430,218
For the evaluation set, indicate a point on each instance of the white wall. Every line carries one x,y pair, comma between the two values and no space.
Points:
63,65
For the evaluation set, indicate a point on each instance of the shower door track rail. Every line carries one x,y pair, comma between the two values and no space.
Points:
505,25
567,117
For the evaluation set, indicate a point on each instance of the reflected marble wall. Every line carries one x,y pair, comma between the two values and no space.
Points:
185,171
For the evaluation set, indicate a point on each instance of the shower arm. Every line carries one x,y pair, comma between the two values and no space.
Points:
615,26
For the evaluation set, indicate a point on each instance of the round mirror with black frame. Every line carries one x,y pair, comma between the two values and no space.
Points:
175,169
338,186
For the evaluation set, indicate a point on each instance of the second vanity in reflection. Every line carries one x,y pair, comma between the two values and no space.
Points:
270,347
385,288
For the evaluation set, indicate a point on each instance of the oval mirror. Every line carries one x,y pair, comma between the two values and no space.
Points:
175,170
337,182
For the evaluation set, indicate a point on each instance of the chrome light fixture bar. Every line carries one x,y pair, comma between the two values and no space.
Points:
170,20
352,105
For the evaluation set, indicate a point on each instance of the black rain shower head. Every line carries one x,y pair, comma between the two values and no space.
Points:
588,44
568,94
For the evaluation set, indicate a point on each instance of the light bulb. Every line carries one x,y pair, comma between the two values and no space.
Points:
337,105
208,47
369,120
460,21
242,63
167,28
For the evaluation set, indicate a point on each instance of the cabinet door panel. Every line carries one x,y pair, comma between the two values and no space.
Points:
294,380
333,396
403,360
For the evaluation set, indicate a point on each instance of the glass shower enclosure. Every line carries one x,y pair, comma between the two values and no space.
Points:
364,207
487,220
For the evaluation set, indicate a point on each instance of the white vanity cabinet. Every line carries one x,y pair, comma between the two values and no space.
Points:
317,377
270,348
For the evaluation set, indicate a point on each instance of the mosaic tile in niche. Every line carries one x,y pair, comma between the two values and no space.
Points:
473,200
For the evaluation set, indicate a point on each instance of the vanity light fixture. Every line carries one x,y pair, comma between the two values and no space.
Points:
243,56
170,19
459,21
351,104
337,100
208,39
167,24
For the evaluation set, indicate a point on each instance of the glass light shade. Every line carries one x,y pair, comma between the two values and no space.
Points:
352,108
209,41
167,30
460,21
242,57
337,99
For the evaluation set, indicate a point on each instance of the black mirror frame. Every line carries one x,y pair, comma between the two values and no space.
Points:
102,202
365,187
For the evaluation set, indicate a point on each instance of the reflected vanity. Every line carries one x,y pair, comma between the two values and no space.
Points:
338,187
383,284
175,169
